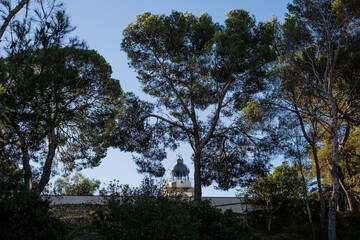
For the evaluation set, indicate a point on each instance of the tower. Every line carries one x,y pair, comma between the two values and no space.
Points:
179,183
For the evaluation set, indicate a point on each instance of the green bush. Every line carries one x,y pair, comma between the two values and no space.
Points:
149,217
23,214
136,214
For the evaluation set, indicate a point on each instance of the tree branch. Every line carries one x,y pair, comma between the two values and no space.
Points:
11,14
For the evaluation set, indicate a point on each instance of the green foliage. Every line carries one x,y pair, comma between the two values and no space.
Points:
23,214
138,215
284,183
202,75
78,184
319,84
349,167
59,95
271,193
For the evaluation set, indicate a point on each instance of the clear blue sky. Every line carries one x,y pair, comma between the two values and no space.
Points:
100,24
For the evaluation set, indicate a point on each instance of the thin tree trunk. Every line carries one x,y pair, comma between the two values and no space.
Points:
351,199
334,170
318,174
348,198
197,177
25,157
341,173
271,212
307,200
321,197
26,164
269,223
27,171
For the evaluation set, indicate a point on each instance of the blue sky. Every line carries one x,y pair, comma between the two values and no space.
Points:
100,24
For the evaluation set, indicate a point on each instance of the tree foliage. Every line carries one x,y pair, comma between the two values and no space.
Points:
319,78
60,97
348,170
202,75
78,184
270,192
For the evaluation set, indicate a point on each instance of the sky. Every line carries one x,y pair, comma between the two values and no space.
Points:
100,24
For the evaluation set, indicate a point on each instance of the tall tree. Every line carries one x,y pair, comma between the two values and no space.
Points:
202,75
293,103
59,96
321,55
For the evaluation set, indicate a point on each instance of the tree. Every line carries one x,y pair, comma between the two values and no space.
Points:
78,184
60,97
286,100
322,52
202,75
347,8
270,192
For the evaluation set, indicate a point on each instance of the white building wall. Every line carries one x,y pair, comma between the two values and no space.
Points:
223,203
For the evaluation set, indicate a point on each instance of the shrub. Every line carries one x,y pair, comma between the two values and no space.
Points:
23,214
141,214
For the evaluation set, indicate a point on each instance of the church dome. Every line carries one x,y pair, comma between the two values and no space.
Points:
180,169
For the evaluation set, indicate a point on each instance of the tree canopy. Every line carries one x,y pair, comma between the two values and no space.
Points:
319,79
59,97
77,184
270,192
202,75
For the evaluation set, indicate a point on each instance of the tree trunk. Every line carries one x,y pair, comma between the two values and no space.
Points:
321,198
345,189
25,157
269,223
334,197
318,178
197,177
307,201
26,164
334,170
318,175
27,172
343,152
310,217
45,177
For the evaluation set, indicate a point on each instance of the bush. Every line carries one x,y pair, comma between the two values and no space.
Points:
23,214
136,214
149,217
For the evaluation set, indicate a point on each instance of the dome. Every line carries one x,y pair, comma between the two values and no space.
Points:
180,169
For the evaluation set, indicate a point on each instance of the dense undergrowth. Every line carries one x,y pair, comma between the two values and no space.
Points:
142,213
